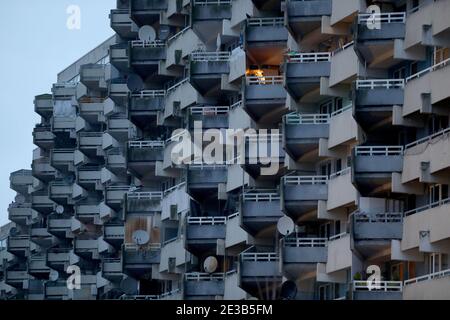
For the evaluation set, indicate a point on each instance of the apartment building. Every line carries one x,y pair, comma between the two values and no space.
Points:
359,92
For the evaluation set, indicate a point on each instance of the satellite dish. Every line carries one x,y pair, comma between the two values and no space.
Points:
135,83
129,286
147,34
210,264
13,231
140,237
288,290
59,209
54,275
285,225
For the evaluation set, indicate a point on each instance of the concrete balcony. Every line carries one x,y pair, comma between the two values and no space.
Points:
62,159
204,178
144,107
42,203
375,37
147,12
36,290
212,117
425,91
43,137
382,226
143,155
91,249
91,212
94,76
17,279
204,286
20,180
260,273
302,133
22,214
269,33
374,100
373,167
120,56
21,246
433,286
208,16
121,23
114,234
342,193
425,159
344,130
382,290
112,269
41,236
64,91
92,110
90,178
119,127
301,194
138,261
207,70
66,193
260,210
118,91
56,290
143,202
37,266
62,227
265,98
114,196
43,170
91,143
63,124
115,161
145,57
43,105
301,255
264,156
340,255
202,233
303,72
305,16
176,200
61,258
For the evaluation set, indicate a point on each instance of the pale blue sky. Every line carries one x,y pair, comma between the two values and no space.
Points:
35,46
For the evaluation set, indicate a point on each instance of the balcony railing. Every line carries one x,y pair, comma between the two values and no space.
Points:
428,206
342,172
338,236
264,80
385,17
427,70
309,57
264,22
387,217
339,111
146,144
149,297
305,180
207,220
428,138
380,83
211,2
145,195
201,56
147,44
149,94
259,256
176,85
261,196
175,36
431,276
210,111
295,118
379,151
201,276
364,285
148,247
305,242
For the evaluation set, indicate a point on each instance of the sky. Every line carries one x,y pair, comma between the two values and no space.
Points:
36,45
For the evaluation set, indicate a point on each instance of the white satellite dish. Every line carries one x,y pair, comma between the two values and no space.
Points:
285,225
59,209
54,275
147,34
141,237
210,264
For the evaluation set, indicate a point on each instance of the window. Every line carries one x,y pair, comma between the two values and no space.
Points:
438,192
325,169
325,230
400,73
437,123
413,68
437,262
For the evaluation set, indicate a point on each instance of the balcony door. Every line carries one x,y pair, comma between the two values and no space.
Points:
438,192
437,262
